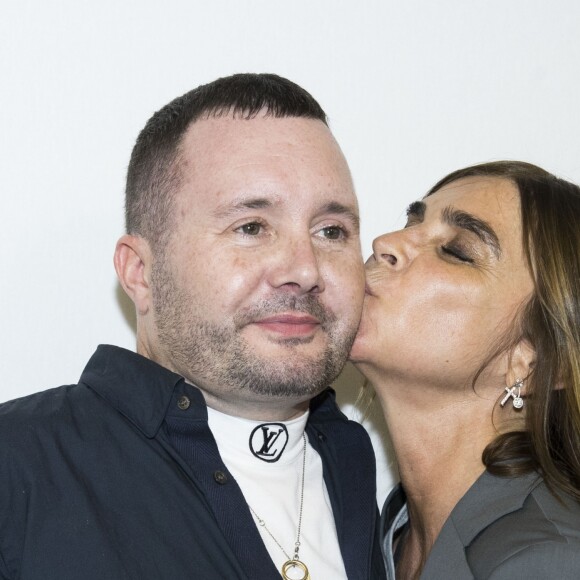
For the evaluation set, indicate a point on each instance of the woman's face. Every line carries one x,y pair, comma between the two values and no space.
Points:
442,291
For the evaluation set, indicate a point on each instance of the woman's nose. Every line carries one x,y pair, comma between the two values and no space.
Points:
389,249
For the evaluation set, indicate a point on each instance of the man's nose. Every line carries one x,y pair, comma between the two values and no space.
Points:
296,266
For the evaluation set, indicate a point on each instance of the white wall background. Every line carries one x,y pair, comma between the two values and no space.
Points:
413,88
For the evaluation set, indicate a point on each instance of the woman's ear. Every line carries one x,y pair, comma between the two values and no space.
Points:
133,265
521,364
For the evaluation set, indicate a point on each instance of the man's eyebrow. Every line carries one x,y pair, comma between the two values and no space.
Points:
241,205
340,209
479,227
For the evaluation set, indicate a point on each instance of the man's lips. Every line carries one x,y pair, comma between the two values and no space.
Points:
289,324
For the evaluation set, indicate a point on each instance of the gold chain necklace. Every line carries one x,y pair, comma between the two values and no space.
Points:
293,564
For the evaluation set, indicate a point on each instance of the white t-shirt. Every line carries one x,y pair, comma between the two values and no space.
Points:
266,460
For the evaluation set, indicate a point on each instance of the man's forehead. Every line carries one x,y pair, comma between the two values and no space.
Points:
321,206
245,141
235,162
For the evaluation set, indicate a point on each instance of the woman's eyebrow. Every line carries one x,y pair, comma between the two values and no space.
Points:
479,227
417,210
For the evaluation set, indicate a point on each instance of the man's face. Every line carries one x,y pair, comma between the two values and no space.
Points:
259,293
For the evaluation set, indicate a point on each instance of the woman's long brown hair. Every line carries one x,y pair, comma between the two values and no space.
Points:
550,322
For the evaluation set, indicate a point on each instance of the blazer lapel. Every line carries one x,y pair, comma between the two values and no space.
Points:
447,558
488,499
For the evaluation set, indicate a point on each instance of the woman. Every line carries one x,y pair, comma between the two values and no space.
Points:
471,338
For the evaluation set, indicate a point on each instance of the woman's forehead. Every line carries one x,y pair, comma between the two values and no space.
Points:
495,198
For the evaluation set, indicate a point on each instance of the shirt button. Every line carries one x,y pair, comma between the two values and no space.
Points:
183,402
220,477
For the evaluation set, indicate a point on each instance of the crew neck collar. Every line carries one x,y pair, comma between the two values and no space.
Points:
261,443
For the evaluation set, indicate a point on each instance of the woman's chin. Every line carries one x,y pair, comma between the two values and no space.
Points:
358,352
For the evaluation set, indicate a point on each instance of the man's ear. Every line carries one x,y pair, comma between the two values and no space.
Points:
133,260
521,364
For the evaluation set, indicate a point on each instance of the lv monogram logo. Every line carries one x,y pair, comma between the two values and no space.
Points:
268,441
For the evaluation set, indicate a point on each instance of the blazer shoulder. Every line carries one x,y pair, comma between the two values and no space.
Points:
545,529
542,560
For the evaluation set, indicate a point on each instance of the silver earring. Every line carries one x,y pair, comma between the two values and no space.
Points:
515,392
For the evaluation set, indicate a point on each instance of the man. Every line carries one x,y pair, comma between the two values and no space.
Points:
215,452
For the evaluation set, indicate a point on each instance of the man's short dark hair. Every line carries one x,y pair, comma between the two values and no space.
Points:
154,173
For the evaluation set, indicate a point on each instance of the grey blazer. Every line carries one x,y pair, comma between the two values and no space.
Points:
502,528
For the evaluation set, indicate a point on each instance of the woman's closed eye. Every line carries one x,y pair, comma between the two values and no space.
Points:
457,253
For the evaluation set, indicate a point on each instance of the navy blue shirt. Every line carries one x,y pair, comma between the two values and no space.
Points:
117,478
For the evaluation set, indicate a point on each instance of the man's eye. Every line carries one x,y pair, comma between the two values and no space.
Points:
251,229
333,232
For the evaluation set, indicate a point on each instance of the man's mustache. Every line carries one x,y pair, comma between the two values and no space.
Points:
307,304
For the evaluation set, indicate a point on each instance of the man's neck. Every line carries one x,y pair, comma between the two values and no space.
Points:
257,410
236,403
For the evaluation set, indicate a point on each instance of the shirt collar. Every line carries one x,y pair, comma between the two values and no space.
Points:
136,386
142,390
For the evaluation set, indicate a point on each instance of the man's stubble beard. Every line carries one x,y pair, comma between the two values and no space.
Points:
208,354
